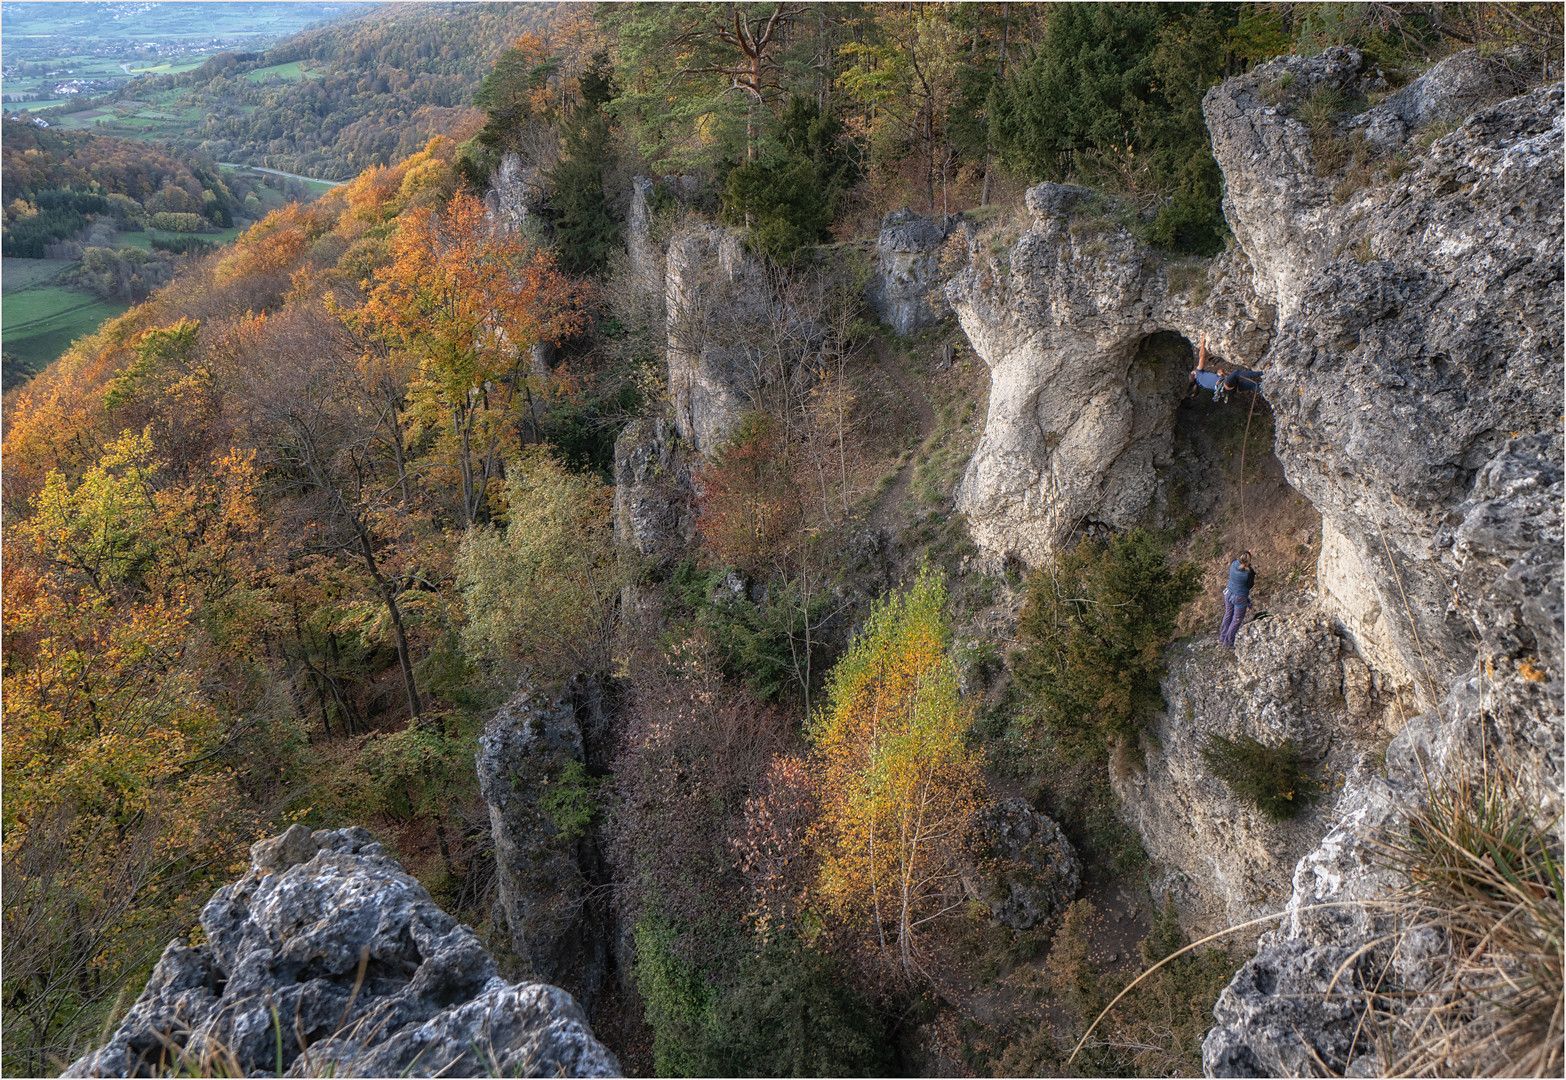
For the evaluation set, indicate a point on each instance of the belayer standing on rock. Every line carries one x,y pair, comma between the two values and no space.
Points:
1236,597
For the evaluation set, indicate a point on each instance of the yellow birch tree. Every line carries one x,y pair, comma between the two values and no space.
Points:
898,786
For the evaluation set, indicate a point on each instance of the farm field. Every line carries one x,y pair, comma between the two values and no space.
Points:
290,71
168,67
145,238
39,321
47,43
19,274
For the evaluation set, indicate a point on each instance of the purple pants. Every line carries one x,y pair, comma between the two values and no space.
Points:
1233,616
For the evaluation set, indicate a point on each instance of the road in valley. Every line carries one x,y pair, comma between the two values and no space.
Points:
279,172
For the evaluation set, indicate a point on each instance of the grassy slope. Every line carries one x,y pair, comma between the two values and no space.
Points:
290,71
38,322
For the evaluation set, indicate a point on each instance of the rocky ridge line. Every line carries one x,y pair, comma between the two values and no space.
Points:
368,976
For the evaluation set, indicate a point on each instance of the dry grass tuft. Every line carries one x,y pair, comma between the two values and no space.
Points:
1485,874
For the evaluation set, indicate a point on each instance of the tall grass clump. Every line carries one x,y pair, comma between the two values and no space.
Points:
1485,872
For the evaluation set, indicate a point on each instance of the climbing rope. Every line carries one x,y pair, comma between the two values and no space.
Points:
1245,529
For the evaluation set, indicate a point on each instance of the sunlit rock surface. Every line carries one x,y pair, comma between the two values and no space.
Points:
330,937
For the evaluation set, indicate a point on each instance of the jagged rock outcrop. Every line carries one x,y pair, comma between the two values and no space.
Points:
1278,1015
1407,328
717,297
1077,324
329,935
731,335
1403,291
645,250
652,492
1419,329
906,288
1416,381
545,874
1290,677
1031,871
515,194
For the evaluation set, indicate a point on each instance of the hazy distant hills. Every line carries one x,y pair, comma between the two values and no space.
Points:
329,102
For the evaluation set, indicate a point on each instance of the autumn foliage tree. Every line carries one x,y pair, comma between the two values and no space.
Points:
691,750
751,507
467,303
126,594
543,591
897,783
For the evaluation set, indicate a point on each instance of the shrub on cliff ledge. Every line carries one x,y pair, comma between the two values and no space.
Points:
1094,631
788,1012
750,507
1270,778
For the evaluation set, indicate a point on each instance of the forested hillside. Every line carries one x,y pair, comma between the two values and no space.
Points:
52,182
93,223
283,537
328,103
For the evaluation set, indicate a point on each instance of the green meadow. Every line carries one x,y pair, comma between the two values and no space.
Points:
39,319
289,72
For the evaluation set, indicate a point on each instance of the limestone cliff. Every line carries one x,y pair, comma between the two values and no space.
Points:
717,306
1290,677
331,938
1408,330
1419,329
546,873
1401,287
1079,418
907,287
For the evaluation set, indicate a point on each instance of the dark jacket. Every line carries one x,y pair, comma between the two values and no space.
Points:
1240,581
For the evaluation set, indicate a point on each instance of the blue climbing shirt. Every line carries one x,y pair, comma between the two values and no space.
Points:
1207,380
1240,580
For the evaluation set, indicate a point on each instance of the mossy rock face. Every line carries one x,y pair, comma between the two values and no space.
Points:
1031,868
545,861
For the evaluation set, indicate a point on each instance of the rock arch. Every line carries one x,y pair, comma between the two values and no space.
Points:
1080,414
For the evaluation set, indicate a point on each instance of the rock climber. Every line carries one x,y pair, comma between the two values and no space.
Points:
1221,385
1238,379
1201,378
1236,597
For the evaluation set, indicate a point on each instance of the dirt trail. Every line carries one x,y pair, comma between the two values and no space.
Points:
884,516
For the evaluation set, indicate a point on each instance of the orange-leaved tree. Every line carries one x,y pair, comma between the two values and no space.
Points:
135,609
897,783
468,303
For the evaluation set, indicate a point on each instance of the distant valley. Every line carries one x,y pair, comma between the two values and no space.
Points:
292,91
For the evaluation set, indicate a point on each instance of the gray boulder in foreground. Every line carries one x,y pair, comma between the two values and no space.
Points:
329,936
